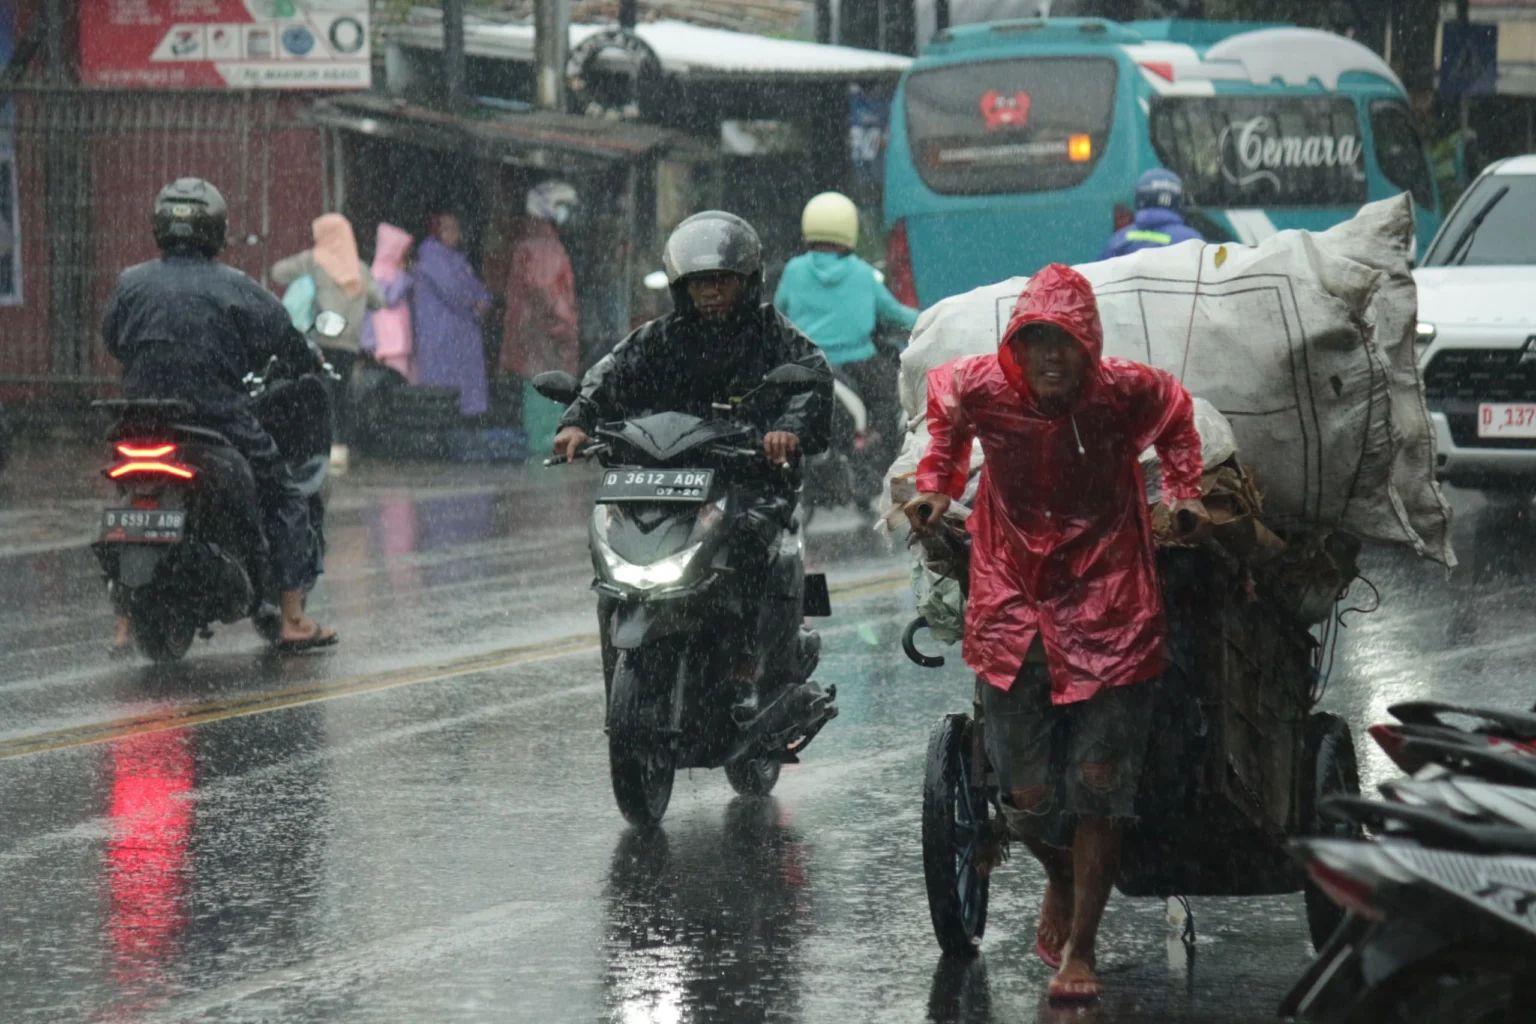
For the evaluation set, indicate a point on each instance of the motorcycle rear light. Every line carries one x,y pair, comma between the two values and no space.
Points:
139,451
1350,893
898,266
1390,739
156,467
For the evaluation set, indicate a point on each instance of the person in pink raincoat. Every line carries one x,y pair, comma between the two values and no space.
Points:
387,331
1064,616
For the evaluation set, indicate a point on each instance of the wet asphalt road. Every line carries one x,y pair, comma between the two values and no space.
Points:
417,826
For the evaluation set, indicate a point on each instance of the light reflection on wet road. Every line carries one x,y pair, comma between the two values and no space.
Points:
446,848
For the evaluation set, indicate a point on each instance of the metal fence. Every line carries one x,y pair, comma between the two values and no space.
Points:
88,164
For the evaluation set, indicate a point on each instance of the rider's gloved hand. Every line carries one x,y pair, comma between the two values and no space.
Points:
926,510
569,442
779,445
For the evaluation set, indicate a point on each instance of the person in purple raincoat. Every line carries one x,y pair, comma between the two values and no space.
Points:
449,302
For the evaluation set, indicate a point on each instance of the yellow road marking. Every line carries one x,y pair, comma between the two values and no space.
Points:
240,705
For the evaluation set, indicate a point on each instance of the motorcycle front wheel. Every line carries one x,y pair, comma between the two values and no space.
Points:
642,761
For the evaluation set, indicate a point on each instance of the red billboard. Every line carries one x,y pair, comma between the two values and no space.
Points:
239,44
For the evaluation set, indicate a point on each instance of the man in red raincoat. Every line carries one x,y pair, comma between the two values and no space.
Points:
1064,617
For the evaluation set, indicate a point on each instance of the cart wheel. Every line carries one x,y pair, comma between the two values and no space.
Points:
1331,758
954,819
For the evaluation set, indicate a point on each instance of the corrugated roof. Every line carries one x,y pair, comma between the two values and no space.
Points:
771,17
685,50
535,138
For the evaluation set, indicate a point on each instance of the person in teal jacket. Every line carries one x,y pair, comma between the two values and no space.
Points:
832,295
839,302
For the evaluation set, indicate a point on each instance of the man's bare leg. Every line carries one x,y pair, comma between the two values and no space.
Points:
1056,906
1095,863
298,626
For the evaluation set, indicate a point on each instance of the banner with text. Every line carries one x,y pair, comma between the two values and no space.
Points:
239,44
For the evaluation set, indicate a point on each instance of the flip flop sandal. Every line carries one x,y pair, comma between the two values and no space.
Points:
1064,995
1051,960
312,642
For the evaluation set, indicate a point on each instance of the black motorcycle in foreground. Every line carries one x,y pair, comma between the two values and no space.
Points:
698,551
1441,922
181,543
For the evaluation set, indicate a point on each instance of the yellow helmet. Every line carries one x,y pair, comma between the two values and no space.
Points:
831,217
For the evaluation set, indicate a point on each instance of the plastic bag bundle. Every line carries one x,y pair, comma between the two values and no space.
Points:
1304,343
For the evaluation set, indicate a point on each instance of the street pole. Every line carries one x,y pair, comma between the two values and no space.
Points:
551,43
453,51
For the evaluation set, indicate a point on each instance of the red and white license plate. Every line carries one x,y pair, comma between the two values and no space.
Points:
1506,419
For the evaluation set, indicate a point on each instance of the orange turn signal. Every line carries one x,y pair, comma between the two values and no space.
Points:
1080,149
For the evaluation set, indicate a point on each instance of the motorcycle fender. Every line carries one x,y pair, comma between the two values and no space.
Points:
817,599
635,625
136,564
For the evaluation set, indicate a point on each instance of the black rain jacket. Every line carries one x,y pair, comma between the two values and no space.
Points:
190,328
680,363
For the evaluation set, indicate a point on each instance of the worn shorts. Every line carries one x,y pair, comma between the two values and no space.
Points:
1033,742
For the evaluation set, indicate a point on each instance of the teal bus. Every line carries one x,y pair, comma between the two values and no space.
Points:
1018,143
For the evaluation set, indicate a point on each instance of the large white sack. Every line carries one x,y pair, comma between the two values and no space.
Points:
1304,342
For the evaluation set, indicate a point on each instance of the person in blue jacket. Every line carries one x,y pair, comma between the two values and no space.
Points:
1159,216
839,301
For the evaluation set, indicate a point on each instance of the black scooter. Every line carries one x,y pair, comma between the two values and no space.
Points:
180,544
1441,922
705,660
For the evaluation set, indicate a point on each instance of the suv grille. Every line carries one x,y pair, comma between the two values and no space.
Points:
1483,374
1457,380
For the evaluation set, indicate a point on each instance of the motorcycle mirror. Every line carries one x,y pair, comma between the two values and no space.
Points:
794,375
656,280
557,386
330,324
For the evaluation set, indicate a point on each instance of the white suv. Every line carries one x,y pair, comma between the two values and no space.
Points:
1477,332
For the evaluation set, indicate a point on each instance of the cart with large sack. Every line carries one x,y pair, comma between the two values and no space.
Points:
1300,354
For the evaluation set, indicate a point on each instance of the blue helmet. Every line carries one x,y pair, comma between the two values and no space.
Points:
1161,189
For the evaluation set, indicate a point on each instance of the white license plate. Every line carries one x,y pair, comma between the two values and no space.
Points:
1506,419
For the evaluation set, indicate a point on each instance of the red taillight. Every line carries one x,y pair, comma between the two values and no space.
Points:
1349,893
1161,68
177,470
137,451
898,266
1390,739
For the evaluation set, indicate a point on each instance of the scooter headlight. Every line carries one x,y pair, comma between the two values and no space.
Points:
663,573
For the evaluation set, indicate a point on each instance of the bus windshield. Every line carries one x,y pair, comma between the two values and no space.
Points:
1262,151
1000,126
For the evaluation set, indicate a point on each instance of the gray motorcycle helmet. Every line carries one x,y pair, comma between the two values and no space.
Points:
710,242
190,215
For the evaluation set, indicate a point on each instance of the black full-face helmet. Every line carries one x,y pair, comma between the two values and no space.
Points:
190,216
708,243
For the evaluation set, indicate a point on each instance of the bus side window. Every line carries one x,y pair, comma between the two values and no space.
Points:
1400,152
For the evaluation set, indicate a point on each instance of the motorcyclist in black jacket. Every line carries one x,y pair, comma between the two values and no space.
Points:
188,327
717,343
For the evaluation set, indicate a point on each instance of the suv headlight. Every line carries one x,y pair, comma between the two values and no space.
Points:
1424,333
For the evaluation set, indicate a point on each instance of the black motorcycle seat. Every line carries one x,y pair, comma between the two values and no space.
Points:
167,407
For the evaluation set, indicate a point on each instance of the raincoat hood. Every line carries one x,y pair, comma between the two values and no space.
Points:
336,252
830,268
390,246
1060,296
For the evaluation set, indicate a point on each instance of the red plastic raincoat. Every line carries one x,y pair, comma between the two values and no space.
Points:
1061,539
